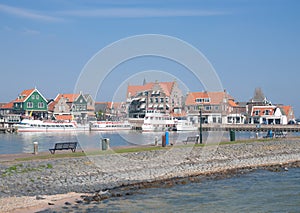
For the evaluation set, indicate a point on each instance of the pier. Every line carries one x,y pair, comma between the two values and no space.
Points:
251,128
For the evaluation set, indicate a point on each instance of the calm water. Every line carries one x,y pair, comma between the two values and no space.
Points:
23,142
259,191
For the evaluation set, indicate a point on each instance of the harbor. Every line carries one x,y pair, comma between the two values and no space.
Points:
79,183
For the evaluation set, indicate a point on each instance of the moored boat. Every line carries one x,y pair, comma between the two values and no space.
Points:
110,125
27,125
157,121
185,125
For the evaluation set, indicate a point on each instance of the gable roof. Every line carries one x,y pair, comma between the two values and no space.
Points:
25,94
287,110
232,103
215,97
132,90
9,105
261,110
70,97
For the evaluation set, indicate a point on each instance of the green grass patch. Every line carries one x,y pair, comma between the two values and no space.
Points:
131,149
20,168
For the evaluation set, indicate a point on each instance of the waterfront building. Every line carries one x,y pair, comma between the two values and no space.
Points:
165,97
31,103
217,108
267,115
110,111
71,107
261,111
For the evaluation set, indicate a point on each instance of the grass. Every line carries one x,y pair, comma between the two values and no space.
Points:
130,150
19,168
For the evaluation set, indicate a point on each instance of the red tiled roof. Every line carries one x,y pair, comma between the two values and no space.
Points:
262,110
64,117
232,103
52,105
215,97
114,105
287,110
132,90
9,105
71,97
24,94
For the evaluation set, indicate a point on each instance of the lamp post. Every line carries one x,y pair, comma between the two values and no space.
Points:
200,129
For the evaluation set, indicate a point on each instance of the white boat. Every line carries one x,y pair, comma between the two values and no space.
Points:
27,125
157,121
110,125
185,125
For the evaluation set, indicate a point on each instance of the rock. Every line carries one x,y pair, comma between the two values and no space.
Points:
38,197
68,203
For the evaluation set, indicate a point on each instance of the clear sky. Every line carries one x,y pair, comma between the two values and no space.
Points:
250,43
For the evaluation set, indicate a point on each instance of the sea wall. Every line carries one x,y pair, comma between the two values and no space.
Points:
98,173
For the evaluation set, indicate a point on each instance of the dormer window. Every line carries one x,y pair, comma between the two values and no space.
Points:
202,100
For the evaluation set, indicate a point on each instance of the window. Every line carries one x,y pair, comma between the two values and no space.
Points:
214,120
161,100
207,108
199,100
29,105
202,100
206,100
256,112
216,107
33,97
37,96
41,105
267,112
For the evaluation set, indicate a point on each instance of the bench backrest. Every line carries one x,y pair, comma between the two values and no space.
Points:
192,138
66,145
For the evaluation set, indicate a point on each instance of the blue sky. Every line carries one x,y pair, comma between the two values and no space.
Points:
250,43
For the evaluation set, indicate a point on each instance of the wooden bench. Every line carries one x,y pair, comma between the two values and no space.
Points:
193,139
64,146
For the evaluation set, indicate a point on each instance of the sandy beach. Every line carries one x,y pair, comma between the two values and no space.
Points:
29,186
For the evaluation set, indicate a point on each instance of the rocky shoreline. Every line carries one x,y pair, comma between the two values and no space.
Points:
112,175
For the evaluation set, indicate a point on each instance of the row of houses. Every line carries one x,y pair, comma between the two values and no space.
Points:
166,97
216,107
31,103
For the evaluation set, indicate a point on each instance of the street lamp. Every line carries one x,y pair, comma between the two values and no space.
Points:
200,129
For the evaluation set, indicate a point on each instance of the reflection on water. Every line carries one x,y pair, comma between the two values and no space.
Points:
23,142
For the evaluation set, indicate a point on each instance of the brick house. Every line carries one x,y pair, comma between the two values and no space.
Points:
165,97
217,108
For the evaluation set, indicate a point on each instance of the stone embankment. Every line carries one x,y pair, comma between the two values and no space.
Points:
104,172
